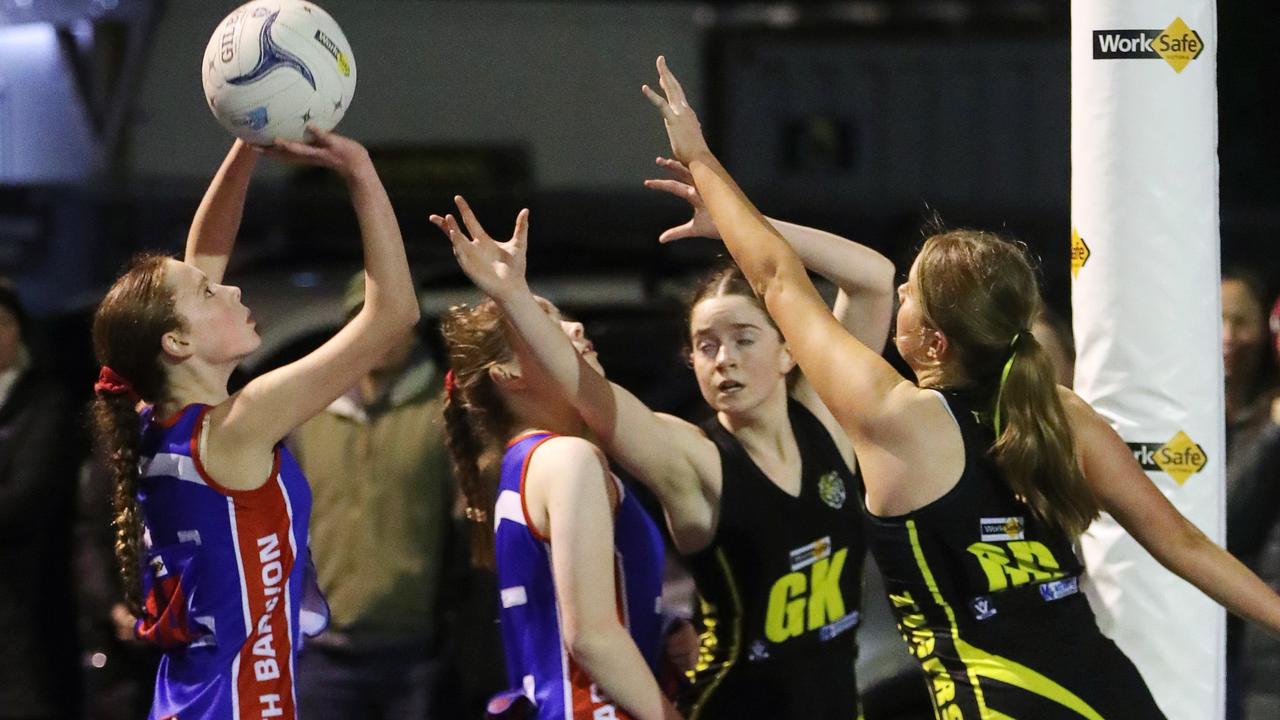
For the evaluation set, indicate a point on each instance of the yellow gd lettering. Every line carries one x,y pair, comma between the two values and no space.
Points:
1031,561
785,617
953,713
826,604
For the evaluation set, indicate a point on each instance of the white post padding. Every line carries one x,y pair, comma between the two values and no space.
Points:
1147,318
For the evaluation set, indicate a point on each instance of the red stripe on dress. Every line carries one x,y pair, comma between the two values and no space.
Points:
264,681
589,702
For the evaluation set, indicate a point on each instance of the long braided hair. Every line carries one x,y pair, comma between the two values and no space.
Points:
477,420
127,328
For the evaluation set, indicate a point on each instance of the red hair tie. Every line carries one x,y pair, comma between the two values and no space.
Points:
450,384
111,382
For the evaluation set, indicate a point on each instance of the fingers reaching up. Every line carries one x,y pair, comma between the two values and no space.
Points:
681,185
496,268
683,129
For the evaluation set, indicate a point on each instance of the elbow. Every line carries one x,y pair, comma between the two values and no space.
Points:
587,644
885,276
411,312
403,312
776,275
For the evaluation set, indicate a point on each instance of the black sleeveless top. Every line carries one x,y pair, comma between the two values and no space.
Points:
988,600
780,586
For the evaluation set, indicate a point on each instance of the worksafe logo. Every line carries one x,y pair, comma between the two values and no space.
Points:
1180,458
1177,44
1079,253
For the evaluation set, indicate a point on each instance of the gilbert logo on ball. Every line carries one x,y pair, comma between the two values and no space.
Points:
274,66
1177,44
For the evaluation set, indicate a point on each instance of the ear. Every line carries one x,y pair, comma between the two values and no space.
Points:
507,376
174,345
788,363
937,347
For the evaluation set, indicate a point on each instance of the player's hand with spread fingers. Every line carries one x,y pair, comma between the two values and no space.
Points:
681,185
683,129
324,149
496,268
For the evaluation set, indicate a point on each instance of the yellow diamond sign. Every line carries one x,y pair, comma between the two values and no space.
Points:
1178,45
1181,457
1079,253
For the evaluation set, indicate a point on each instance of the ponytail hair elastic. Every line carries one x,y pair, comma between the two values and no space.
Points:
111,382
1004,375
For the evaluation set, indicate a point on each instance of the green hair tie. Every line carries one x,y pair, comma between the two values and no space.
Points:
1004,375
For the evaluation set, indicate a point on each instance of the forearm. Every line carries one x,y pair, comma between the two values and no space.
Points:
854,268
613,661
388,285
755,244
537,338
864,305
217,220
1218,574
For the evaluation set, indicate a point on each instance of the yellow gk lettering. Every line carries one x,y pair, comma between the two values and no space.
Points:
785,617
1016,563
826,604
791,613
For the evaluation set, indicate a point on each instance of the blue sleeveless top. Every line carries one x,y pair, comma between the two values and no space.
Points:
228,587
539,666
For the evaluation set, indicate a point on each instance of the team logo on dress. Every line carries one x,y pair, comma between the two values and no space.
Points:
997,529
1180,458
982,607
1177,44
831,489
759,651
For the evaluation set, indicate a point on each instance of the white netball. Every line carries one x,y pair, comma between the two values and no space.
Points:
274,66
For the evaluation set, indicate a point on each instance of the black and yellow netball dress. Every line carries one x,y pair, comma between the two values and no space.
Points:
988,599
781,587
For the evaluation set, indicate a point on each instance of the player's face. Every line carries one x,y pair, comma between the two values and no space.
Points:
577,335
738,356
911,332
217,326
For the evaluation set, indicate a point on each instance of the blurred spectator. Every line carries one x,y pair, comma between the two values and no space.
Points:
40,449
119,670
1054,333
382,500
1246,361
1253,486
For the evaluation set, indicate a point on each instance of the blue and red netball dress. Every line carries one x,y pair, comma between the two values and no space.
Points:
538,664
228,586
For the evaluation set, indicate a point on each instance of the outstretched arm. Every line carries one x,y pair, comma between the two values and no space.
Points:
1134,501
861,389
217,220
571,475
864,277
271,406
663,452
